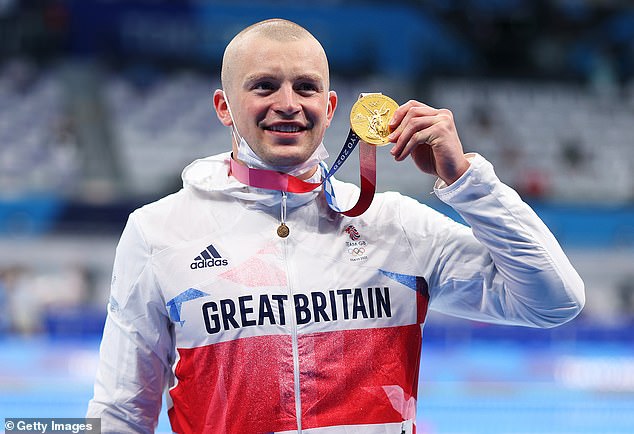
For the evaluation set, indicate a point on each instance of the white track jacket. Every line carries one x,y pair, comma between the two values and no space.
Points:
319,332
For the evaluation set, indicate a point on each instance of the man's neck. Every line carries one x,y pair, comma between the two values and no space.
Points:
304,176
308,174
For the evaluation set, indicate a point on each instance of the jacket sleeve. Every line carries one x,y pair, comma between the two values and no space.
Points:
507,268
137,344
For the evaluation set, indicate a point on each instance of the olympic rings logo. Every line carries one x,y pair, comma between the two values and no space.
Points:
357,251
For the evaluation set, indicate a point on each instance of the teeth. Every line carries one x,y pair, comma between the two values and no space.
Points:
285,128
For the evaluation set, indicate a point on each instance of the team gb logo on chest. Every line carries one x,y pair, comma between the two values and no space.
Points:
356,247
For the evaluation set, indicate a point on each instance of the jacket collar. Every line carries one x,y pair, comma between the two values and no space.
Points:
211,175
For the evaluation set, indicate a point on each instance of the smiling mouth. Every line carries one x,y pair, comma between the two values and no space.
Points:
285,128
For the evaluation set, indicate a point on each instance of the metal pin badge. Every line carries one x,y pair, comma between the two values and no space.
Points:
283,230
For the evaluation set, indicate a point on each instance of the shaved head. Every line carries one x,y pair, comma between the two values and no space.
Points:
276,29
275,73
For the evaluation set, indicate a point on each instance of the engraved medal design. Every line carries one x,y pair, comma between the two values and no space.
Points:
369,118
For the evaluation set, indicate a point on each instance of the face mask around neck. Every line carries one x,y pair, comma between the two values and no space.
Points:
248,156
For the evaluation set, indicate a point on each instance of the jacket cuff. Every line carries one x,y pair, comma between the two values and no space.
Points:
479,174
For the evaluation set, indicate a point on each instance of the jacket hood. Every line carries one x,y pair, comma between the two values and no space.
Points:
211,175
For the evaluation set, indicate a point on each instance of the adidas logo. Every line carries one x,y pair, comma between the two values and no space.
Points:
208,258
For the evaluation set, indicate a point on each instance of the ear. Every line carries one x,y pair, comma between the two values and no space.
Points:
222,108
332,105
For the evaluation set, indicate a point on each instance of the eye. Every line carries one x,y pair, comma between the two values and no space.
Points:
264,86
307,87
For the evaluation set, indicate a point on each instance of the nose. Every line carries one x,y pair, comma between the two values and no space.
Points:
287,102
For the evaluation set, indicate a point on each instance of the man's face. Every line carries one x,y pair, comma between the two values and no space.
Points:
279,98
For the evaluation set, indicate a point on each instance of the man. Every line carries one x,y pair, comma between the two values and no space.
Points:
317,329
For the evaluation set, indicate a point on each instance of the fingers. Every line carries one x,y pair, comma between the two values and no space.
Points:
420,125
399,114
403,114
407,143
430,137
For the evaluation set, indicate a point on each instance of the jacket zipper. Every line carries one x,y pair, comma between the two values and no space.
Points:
295,345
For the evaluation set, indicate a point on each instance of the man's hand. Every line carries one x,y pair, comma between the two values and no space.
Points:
429,135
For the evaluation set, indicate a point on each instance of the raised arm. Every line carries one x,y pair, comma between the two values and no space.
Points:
508,267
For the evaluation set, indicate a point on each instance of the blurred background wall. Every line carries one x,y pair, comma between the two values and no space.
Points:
103,102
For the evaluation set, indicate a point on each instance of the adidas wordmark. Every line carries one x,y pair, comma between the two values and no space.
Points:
208,258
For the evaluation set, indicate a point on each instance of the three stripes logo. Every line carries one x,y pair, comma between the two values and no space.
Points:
208,258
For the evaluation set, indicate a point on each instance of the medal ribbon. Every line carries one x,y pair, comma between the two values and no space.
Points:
272,180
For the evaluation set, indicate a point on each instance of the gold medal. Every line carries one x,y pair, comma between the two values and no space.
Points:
369,118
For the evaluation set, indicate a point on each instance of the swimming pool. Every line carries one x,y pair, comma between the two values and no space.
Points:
471,387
